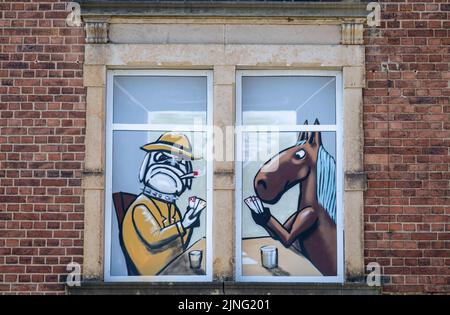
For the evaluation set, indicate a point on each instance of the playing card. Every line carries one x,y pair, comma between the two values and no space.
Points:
200,204
197,201
196,204
260,205
192,202
257,204
249,201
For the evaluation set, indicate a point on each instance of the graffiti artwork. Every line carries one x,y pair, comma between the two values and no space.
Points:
154,234
309,232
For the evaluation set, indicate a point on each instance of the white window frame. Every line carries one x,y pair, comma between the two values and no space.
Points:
111,127
337,128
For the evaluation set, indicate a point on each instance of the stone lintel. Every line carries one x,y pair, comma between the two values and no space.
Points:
347,9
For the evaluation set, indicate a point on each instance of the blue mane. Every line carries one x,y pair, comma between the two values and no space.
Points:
326,181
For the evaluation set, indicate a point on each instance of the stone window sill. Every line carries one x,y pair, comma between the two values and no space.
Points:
231,288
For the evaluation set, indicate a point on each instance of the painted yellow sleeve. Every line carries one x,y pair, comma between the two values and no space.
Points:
151,232
186,232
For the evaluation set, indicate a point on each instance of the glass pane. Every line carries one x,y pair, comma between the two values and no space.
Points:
288,100
160,100
289,221
152,183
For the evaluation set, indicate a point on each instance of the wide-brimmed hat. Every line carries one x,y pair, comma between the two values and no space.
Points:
173,143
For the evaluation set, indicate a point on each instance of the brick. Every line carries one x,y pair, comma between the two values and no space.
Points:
415,86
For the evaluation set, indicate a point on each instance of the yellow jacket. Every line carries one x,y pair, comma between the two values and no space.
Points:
152,234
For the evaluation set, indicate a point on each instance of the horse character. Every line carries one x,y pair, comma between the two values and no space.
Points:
312,227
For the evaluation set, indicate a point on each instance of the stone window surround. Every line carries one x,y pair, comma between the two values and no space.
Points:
224,60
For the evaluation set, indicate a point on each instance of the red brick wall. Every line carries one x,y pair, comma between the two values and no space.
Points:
42,119
407,137
406,121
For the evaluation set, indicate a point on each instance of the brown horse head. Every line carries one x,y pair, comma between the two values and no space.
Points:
288,168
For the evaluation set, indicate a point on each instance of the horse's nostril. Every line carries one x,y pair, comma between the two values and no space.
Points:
262,183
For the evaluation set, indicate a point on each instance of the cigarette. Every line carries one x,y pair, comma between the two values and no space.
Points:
190,175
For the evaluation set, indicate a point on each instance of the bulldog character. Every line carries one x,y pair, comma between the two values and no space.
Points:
154,231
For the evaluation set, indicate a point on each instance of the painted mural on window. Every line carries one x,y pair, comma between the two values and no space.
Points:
159,178
289,186
311,228
154,231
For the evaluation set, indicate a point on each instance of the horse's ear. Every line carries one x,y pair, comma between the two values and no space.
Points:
315,138
303,135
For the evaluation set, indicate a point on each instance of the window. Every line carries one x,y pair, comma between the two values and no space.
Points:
226,48
289,176
158,176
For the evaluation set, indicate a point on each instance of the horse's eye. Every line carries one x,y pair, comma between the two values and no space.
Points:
300,154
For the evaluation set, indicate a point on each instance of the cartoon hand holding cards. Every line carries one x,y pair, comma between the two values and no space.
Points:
197,204
260,214
255,204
